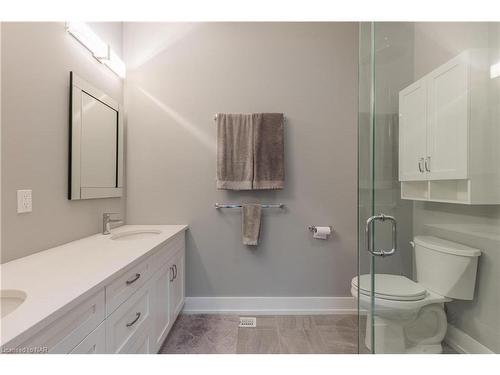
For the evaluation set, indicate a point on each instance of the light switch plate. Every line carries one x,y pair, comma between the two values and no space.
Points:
24,201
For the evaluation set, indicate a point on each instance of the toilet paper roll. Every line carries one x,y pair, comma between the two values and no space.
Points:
322,233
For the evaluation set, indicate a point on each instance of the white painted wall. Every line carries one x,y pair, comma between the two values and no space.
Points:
179,76
36,60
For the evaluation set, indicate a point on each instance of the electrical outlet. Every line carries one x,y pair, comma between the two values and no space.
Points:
24,201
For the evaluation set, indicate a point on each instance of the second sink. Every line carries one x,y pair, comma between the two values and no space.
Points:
135,234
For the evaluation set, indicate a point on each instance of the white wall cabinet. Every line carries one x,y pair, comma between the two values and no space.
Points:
133,313
447,131
448,134
413,132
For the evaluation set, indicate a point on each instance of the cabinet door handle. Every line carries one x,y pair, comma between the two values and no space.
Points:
175,271
428,163
171,274
137,316
137,275
420,167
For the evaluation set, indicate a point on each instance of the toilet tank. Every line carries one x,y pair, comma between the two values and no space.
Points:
445,267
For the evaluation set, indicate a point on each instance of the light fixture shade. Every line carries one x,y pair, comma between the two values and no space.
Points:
90,40
101,51
115,64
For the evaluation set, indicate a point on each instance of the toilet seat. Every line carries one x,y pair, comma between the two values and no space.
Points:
398,295
391,287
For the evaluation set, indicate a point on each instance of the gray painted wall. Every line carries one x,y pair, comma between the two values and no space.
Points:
36,61
180,76
477,226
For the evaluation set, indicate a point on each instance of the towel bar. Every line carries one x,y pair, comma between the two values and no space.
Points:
215,118
222,205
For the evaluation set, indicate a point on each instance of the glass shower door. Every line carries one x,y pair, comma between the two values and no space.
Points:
384,220
448,76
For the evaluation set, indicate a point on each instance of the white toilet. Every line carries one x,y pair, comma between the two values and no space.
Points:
409,316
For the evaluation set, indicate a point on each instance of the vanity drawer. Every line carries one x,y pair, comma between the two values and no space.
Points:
94,343
162,256
129,321
140,343
125,285
65,333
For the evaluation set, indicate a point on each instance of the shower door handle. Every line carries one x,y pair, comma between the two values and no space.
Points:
370,223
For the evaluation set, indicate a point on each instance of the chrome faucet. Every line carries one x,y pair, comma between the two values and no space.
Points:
106,221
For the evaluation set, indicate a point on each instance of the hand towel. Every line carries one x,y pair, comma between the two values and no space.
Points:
235,150
268,151
251,214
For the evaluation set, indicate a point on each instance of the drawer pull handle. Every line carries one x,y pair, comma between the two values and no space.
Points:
175,271
137,316
171,274
137,275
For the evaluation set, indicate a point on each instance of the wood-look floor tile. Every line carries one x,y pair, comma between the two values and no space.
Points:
258,341
192,334
266,321
336,320
295,322
294,341
315,341
339,339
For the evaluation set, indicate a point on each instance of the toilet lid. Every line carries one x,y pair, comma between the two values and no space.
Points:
393,287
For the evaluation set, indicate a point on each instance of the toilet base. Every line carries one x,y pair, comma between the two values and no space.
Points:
425,349
422,335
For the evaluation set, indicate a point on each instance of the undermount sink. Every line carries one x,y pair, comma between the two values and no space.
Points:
135,234
10,299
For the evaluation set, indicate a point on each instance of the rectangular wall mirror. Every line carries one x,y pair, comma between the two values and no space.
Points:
96,143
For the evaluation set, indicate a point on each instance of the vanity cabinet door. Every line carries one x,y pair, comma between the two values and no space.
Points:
177,284
160,309
413,132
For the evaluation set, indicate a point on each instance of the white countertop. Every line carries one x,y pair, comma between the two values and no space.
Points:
57,279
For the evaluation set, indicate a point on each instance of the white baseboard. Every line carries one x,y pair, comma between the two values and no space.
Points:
463,343
270,305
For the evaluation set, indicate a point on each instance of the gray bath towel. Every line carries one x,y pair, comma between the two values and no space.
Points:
235,152
269,156
251,214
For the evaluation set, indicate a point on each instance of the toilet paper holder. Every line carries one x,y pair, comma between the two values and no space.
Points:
313,229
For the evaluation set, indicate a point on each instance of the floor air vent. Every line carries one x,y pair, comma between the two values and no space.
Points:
248,322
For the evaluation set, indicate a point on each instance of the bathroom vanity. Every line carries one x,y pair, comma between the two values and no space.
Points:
117,293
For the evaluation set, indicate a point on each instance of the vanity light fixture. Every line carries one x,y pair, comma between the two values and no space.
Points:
100,50
114,63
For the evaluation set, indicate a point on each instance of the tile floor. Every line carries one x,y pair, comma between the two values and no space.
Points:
304,334
274,334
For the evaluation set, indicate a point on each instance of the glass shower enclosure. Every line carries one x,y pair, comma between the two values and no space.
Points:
428,178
